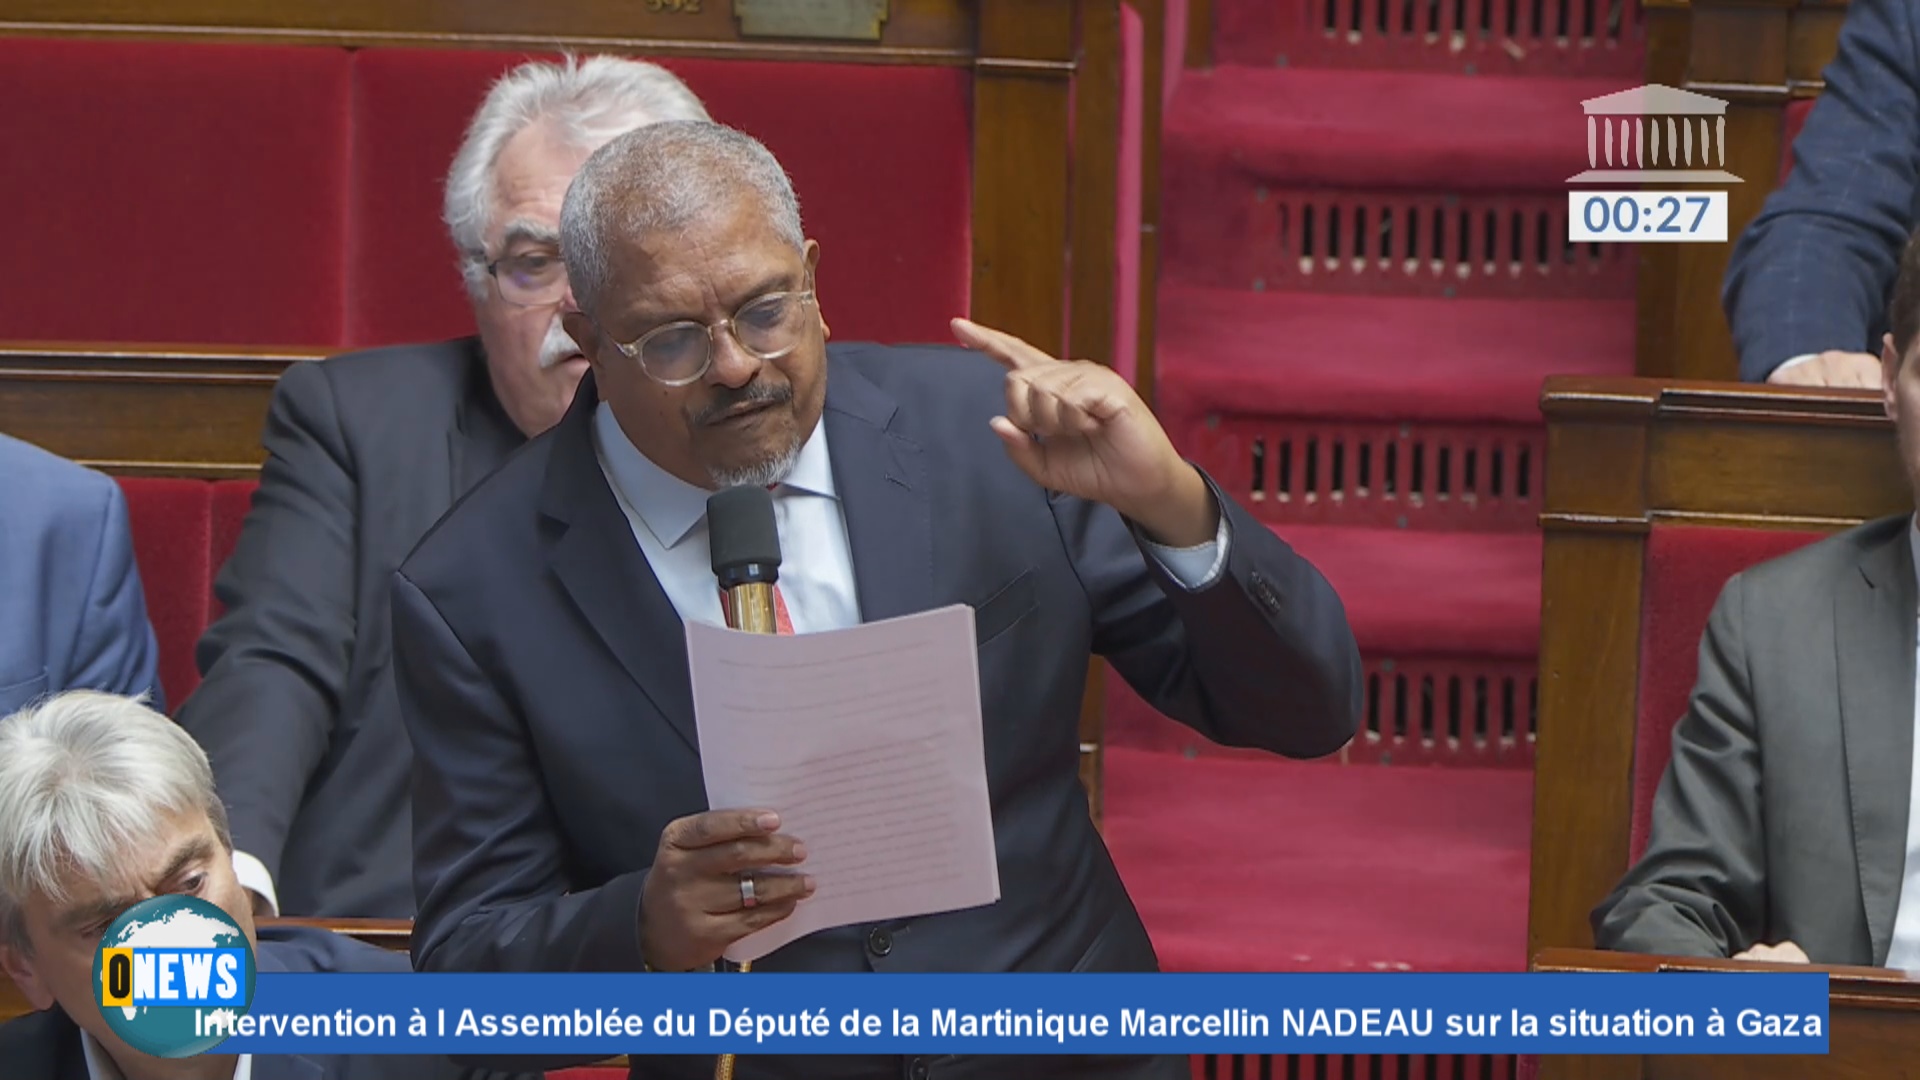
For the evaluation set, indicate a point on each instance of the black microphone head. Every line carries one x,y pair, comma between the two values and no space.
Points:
742,537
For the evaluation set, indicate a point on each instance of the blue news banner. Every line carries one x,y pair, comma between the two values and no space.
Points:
770,1013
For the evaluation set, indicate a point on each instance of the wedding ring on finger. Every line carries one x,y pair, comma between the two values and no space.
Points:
747,899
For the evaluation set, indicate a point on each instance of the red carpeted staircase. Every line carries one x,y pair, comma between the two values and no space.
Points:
1365,280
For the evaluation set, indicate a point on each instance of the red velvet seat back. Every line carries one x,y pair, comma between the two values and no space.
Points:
1792,121
183,530
231,501
172,531
1686,568
290,195
879,154
172,192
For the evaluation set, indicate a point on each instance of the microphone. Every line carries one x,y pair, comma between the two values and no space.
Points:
744,543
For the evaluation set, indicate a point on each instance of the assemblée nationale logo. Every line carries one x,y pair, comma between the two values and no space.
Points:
1652,135
174,974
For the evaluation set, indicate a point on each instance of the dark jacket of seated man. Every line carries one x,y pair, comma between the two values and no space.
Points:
48,1045
297,708
1784,816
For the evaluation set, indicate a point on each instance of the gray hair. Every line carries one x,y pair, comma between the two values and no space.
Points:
665,177
587,102
85,778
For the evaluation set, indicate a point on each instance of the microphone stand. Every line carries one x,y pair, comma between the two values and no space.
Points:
749,607
746,564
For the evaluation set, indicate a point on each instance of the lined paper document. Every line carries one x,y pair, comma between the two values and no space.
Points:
867,742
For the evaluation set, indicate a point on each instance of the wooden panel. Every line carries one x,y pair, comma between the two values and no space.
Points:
1758,55
1873,1027
1022,107
1624,455
126,410
1199,33
916,31
1153,78
1096,191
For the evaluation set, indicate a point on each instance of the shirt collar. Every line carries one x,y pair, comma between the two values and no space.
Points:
101,1066
670,506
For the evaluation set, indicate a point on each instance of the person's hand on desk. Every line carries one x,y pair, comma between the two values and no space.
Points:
703,892
1077,427
1846,370
1784,953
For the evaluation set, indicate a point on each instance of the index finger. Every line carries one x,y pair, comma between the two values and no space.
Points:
1003,347
720,827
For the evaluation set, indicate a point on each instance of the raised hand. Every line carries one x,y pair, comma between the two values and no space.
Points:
1077,427
693,905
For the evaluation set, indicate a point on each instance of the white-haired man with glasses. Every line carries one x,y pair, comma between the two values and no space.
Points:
364,453
105,803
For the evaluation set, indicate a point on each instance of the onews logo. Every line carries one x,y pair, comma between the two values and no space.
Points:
173,974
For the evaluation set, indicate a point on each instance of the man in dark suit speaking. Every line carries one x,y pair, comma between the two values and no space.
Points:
560,817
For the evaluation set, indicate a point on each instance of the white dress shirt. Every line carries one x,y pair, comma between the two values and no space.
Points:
669,521
1904,952
101,1067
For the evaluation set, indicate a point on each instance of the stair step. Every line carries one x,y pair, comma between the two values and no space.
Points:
1377,358
1228,230
1490,37
1410,593
1448,626
1276,865
1385,130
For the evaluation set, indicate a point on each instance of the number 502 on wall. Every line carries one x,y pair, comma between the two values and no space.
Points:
1646,216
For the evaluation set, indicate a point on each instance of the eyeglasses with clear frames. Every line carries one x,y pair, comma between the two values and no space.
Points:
530,278
768,327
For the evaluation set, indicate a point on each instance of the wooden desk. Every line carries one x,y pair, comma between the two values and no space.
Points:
1873,1032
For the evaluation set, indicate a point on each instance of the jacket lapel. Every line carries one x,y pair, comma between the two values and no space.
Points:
881,478
604,572
1874,630
483,436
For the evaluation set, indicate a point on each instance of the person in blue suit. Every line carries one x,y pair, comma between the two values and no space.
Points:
74,617
1806,290
105,803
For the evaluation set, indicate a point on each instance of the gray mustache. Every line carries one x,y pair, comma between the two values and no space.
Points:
751,394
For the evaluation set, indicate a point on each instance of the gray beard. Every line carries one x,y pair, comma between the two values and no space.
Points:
772,471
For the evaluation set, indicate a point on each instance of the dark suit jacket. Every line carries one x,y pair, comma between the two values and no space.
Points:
46,1045
543,677
1813,270
297,710
74,615
1783,815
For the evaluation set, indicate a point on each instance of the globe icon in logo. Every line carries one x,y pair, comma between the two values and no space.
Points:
173,974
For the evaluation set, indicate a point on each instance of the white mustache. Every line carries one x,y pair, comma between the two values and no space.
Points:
558,345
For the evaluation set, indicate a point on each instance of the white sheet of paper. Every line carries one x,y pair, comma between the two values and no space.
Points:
867,742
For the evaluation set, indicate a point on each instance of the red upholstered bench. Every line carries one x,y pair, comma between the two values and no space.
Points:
880,156
178,192
290,195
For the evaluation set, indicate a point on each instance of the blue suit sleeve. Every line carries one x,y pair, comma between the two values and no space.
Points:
115,649
1812,271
